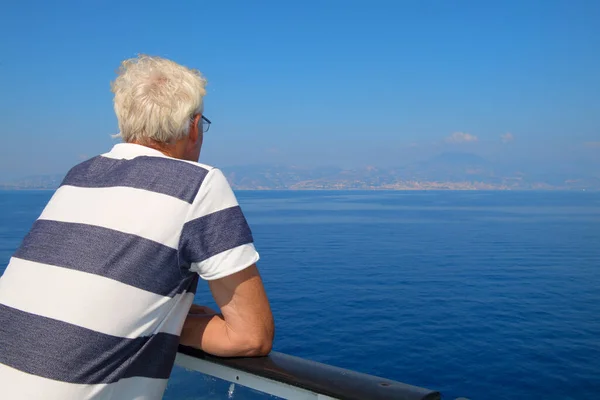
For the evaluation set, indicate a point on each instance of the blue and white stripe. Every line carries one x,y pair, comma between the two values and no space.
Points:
93,301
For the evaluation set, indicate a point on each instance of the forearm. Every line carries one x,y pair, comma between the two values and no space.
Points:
211,334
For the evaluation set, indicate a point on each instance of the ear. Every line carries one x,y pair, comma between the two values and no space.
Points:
194,135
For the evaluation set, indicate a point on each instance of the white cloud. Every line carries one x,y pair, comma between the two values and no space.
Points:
507,137
461,137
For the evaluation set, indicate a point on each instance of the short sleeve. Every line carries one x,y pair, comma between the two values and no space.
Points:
216,240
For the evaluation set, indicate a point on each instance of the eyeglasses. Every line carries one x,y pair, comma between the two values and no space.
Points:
205,124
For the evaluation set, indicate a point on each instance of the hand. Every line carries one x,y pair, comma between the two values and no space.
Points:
196,309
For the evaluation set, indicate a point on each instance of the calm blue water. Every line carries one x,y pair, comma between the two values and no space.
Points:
484,295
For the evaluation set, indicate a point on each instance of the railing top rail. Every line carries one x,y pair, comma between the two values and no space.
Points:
319,378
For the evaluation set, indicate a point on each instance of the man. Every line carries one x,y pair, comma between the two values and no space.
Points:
97,298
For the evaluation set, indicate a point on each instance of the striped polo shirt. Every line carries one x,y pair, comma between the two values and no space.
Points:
93,301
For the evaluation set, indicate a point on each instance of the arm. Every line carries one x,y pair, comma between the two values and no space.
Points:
245,327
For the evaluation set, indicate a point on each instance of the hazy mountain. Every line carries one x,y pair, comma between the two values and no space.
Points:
451,166
34,182
445,171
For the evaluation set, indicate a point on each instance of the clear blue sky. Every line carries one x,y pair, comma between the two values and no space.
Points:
314,82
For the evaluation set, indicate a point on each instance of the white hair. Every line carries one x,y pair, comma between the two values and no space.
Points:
156,99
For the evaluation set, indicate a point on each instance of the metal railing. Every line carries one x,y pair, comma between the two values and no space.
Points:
292,377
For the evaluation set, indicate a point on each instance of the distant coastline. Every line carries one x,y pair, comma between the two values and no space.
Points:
448,171
551,189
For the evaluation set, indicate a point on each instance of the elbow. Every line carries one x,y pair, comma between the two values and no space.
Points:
258,346
261,343
261,348
255,341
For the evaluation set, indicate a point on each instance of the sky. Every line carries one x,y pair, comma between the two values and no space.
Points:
332,82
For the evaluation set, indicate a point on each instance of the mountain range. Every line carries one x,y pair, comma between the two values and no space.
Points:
447,171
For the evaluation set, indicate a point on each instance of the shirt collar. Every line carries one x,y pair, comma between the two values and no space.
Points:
132,150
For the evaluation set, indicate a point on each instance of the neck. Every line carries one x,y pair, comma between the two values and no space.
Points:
170,150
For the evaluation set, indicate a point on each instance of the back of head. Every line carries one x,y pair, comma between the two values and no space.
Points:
156,99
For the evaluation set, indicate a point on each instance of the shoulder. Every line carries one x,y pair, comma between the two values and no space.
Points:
210,173
178,178
193,164
214,183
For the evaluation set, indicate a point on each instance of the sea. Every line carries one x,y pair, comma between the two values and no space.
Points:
484,295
